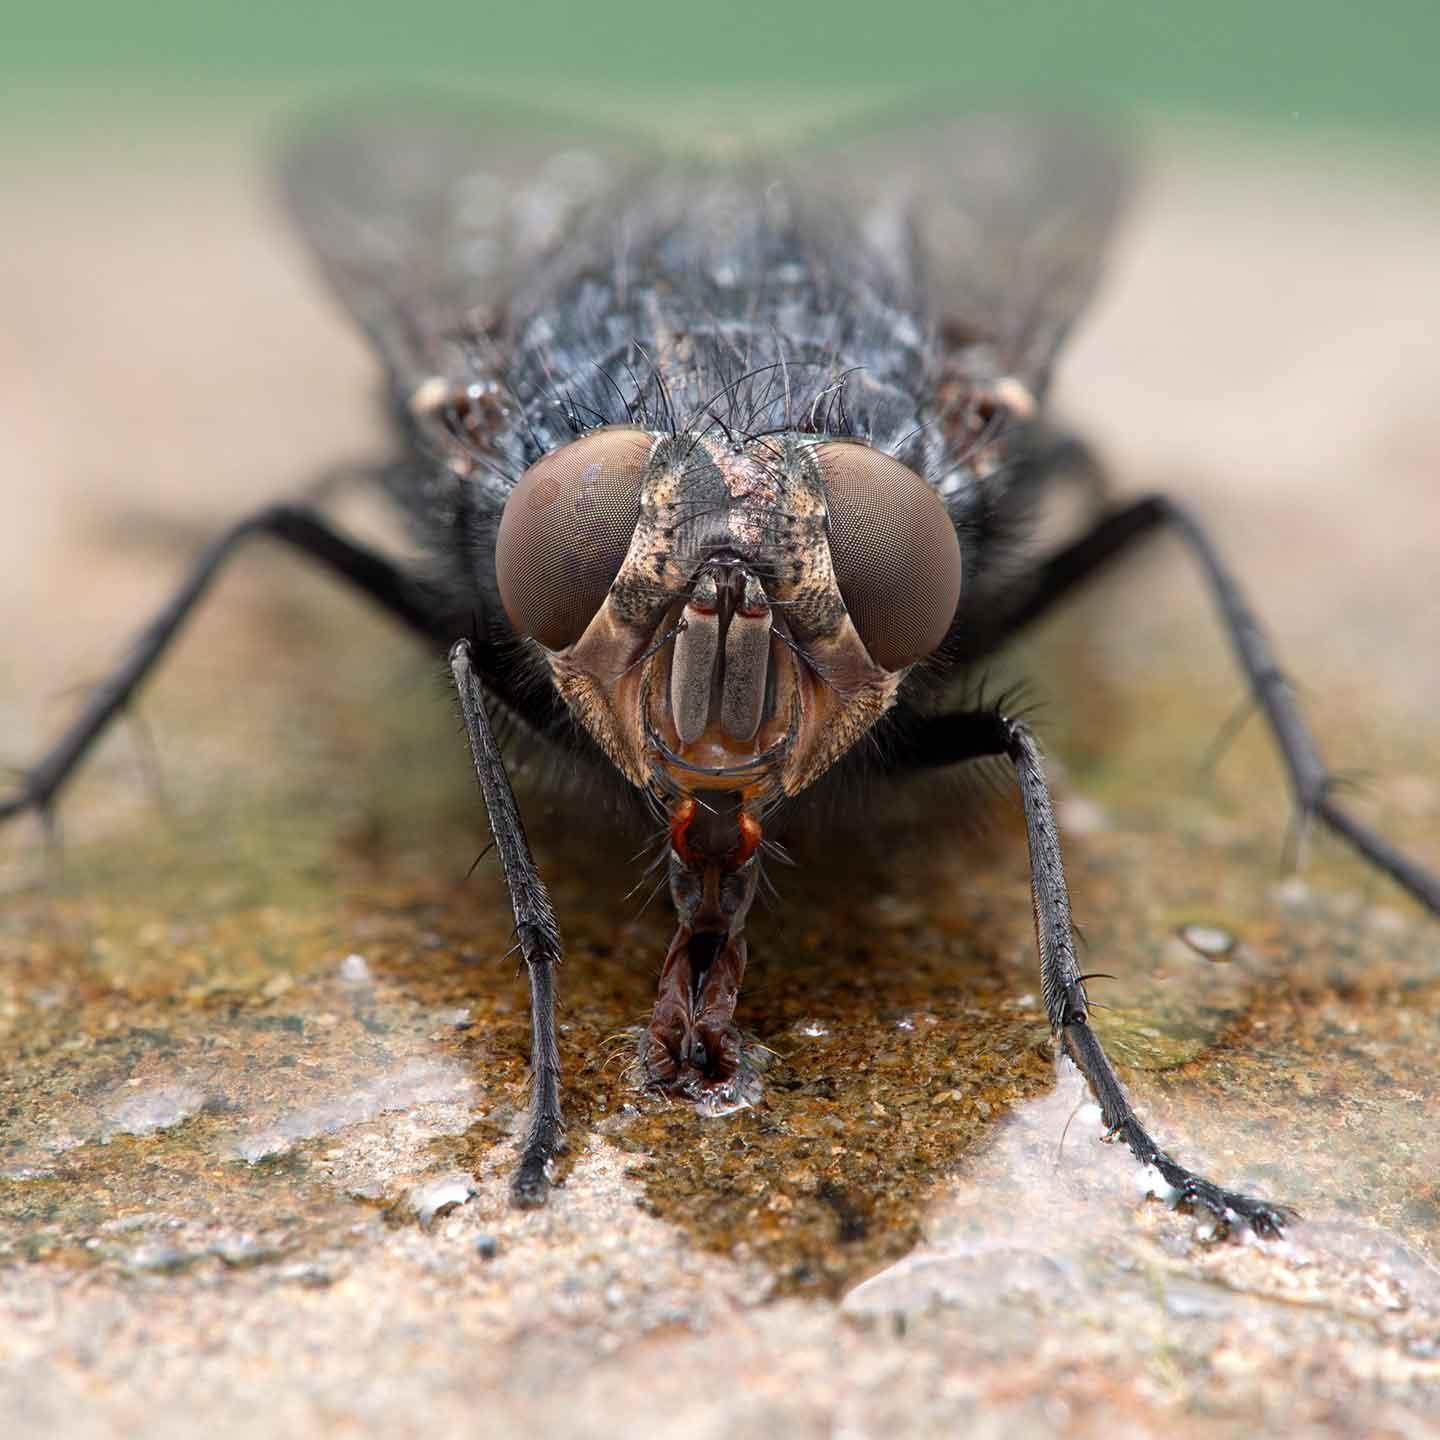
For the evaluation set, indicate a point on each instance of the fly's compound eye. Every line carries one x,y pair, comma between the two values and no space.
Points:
564,533
895,553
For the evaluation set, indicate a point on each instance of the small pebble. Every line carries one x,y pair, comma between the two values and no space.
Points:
487,1247
161,1259
242,1252
355,970
1208,940
308,1274
440,1196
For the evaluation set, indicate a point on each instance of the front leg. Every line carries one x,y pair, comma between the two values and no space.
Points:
985,733
535,927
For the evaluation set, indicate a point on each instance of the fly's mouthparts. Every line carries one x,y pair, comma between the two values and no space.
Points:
691,1045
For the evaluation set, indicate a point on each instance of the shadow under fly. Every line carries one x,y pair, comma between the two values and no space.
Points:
723,466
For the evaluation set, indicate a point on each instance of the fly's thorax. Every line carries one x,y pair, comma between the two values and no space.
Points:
707,594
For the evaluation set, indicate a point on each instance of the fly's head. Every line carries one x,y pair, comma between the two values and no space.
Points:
726,619
726,616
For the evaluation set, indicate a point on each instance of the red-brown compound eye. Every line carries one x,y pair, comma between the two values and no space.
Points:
895,552
564,533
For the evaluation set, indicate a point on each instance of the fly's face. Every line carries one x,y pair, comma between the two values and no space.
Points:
726,619
726,616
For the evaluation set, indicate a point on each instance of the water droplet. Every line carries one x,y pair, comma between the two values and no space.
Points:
146,1112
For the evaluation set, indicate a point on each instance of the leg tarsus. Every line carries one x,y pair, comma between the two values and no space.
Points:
535,928
1191,1191
1422,883
530,1184
545,1137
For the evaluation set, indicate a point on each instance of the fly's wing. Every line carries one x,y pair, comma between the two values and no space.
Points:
1001,224
427,221
424,219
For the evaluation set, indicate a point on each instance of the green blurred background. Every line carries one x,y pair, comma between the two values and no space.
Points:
1311,63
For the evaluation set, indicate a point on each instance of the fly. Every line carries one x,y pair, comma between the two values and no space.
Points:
720,467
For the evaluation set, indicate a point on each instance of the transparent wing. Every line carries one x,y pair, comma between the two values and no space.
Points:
424,218
427,220
1003,222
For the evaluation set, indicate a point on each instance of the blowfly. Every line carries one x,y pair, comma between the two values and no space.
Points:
721,463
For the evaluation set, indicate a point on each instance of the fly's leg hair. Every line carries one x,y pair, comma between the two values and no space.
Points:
535,928
369,572
1311,782
985,733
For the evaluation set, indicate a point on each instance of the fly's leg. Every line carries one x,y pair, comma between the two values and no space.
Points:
370,573
535,928
1311,782
985,733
